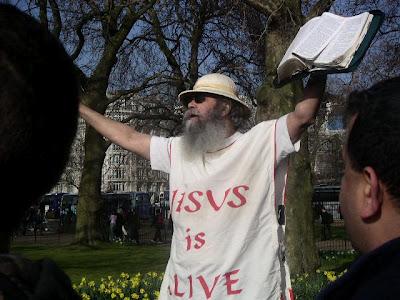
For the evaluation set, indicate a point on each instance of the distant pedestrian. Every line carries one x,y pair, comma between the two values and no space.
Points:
113,225
158,222
118,224
326,221
133,223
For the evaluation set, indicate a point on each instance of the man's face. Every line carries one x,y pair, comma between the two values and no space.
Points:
200,109
204,126
351,193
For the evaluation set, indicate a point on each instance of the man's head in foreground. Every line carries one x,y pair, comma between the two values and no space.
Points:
38,112
214,112
370,191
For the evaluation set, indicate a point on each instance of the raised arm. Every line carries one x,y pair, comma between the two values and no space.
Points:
306,110
117,132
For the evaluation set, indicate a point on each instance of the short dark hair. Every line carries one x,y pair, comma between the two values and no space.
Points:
38,112
374,139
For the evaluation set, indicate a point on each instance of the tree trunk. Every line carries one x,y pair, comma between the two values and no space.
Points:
91,221
301,249
272,103
90,226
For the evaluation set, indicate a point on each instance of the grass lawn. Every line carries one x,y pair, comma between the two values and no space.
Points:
337,260
94,263
113,259
337,232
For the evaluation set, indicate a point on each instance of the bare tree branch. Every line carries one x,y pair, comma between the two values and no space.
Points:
265,7
195,39
160,39
43,12
133,91
57,18
81,37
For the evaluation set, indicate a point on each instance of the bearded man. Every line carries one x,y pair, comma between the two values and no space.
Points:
224,188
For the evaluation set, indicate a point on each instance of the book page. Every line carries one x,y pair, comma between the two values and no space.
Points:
291,67
344,41
319,37
301,34
346,61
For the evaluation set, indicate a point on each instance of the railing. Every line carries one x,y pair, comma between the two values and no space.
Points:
329,230
329,235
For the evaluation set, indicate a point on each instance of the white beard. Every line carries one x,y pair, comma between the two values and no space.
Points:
202,135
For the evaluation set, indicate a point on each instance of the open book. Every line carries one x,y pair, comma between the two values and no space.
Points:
328,43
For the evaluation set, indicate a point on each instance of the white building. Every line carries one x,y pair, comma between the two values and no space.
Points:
123,171
327,146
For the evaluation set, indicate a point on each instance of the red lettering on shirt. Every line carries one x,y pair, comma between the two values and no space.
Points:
192,198
207,290
199,239
190,286
241,197
177,293
211,199
229,282
192,202
173,198
188,240
178,209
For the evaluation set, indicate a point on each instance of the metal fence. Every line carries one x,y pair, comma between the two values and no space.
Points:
329,228
63,230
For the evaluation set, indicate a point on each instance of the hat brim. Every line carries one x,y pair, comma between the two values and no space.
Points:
182,97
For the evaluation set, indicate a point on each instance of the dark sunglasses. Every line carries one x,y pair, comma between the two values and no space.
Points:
198,98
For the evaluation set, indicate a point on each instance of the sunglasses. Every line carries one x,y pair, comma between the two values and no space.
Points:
198,98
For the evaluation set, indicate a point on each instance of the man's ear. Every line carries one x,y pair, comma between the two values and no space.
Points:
227,106
372,201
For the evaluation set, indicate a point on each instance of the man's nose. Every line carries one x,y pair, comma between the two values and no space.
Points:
192,103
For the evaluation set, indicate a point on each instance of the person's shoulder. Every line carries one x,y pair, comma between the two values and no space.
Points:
161,142
382,285
373,276
261,128
266,123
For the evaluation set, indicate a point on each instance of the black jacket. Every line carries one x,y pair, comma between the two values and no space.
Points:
375,275
21,278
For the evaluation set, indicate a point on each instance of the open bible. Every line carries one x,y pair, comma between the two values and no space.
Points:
328,43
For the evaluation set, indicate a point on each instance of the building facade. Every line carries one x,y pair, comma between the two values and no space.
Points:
326,146
123,171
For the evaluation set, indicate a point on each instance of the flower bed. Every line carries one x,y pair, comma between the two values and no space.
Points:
147,286
126,287
307,286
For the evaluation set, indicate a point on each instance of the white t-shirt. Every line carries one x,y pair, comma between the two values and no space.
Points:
223,205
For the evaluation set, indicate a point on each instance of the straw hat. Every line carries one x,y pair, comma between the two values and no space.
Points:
214,83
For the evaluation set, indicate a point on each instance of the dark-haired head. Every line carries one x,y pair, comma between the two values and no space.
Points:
374,138
38,112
